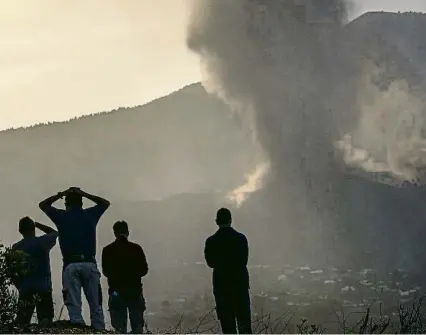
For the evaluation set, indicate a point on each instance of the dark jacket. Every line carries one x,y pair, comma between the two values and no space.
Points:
226,252
124,264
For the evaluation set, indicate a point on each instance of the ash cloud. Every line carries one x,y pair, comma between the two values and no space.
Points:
260,57
304,81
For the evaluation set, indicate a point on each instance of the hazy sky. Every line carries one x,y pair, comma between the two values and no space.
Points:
63,58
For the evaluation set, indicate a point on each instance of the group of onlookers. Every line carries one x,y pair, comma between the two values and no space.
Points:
123,264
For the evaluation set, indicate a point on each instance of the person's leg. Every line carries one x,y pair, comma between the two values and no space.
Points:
118,313
91,282
225,313
44,306
137,307
243,312
26,306
72,282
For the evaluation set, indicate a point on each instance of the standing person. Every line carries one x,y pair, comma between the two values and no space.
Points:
35,285
77,240
226,252
124,264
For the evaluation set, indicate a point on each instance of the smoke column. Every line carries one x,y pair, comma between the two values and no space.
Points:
308,99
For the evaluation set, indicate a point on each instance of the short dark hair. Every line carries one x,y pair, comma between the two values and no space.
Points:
26,225
73,199
120,227
223,216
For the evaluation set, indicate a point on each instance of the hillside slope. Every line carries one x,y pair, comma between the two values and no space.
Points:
165,166
185,142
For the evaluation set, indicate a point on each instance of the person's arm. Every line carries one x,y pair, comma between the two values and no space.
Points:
99,201
106,267
52,212
209,254
143,264
96,211
47,203
48,240
245,251
45,229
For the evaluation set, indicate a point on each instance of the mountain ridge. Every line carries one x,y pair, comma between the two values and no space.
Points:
186,142
195,85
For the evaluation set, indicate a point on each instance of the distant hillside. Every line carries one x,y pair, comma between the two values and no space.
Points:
186,148
386,48
394,40
187,142
403,32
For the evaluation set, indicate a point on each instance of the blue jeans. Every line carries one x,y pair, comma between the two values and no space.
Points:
86,276
118,307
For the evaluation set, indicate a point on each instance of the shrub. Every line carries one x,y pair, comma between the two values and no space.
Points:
12,264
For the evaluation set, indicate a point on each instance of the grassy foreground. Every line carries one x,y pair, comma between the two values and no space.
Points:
407,320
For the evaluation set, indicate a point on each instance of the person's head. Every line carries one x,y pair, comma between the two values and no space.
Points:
73,199
223,217
27,227
121,229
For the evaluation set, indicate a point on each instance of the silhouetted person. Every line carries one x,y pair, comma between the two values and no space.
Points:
35,285
226,252
124,264
77,240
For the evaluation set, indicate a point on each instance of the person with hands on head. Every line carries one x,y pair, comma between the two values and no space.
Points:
35,284
77,240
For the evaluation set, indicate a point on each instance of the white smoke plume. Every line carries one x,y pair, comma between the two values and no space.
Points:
389,135
253,183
